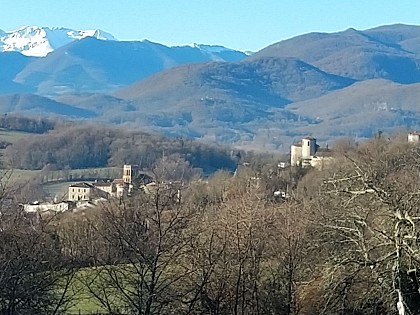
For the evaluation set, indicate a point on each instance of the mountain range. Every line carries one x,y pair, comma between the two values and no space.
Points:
60,60
39,41
328,85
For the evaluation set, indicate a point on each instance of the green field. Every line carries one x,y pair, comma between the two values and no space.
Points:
84,303
21,176
80,174
18,176
12,136
55,181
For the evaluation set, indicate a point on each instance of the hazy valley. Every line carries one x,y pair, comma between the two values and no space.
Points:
350,83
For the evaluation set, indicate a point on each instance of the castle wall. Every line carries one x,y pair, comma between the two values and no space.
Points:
295,155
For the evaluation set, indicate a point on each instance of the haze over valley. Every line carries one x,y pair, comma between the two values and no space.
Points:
349,83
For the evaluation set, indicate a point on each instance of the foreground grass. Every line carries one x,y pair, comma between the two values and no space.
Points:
84,302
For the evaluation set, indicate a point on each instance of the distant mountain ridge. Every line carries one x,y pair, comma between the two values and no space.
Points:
62,60
349,83
389,52
39,41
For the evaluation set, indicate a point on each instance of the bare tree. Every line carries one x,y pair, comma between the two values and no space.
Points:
35,277
289,260
148,234
367,215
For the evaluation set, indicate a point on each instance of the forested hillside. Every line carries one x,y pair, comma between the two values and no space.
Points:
70,146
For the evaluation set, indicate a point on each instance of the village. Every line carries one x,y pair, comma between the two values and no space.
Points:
88,194
300,190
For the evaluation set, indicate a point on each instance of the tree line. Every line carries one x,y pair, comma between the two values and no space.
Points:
344,242
26,124
84,146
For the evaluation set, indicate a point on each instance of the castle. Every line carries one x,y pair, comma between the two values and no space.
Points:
307,153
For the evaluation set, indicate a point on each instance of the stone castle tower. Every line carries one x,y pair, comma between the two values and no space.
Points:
302,153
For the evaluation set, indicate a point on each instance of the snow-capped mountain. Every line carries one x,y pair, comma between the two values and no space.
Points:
210,48
39,41
52,61
215,52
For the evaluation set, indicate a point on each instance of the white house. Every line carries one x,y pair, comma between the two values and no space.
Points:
414,136
85,192
43,207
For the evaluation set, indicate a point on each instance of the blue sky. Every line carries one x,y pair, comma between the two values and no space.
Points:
239,24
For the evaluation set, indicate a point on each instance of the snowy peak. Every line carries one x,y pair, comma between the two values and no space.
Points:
39,41
210,48
219,53
98,34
